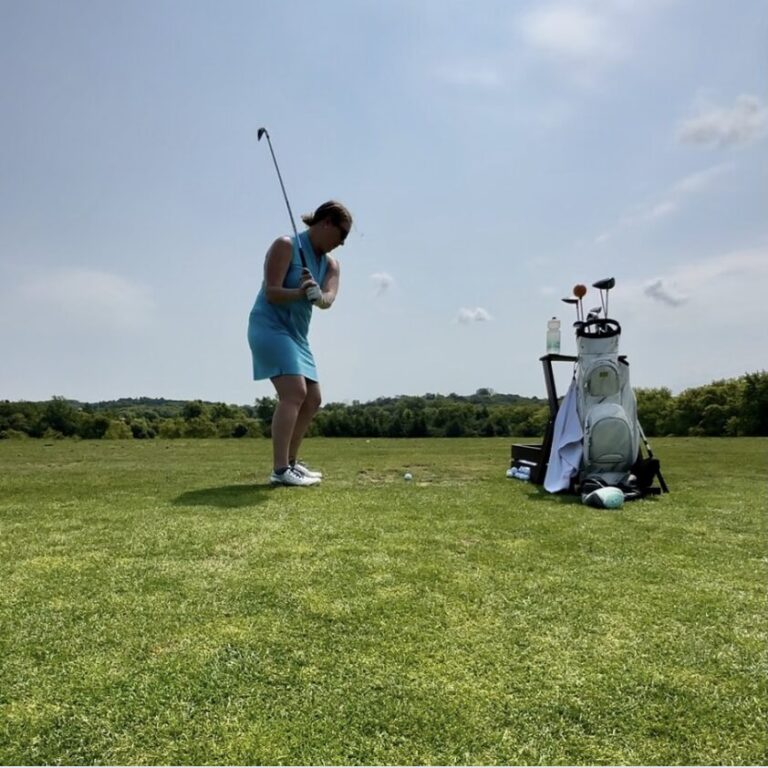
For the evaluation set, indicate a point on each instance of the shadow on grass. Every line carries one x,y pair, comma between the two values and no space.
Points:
537,493
225,496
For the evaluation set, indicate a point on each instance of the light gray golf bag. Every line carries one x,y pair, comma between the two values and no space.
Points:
605,404
592,441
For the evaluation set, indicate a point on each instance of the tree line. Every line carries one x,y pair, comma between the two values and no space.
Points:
732,407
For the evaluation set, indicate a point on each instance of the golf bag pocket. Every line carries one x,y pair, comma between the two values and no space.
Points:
608,441
603,379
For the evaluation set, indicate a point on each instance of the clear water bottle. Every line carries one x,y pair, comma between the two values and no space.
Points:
553,336
519,473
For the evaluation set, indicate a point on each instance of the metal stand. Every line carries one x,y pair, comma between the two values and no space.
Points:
536,456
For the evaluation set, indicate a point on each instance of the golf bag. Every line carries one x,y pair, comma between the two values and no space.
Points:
605,404
607,410
592,442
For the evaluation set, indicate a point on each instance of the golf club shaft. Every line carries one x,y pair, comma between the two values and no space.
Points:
575,302
264,132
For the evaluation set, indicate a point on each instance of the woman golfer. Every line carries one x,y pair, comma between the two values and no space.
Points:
278,328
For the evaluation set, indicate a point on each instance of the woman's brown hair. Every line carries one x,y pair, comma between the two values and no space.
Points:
333,210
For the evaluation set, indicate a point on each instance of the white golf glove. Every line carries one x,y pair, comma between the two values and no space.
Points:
313,293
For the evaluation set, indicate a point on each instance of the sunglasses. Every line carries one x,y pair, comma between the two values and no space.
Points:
344,233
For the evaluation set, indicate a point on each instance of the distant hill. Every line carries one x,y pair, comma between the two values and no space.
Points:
732,407
172,408
160,405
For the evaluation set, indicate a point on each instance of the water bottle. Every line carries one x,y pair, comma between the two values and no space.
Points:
553,336
519,473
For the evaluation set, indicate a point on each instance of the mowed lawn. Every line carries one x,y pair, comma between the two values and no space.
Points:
159,603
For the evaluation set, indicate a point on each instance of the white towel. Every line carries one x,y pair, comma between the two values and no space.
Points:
567,444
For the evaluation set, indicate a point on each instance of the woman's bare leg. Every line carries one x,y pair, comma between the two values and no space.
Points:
291,394
307,412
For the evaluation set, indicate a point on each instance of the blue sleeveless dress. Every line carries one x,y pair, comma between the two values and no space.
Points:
277,333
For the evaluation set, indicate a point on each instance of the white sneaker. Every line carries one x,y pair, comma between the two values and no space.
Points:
292,477
305,471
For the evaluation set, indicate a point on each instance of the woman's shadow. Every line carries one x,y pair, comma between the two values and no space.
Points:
226,496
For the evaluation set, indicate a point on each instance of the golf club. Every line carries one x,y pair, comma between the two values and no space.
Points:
604,285
576,303
580,291
263,132
594,314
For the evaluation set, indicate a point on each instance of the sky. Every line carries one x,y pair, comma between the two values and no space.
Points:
493,155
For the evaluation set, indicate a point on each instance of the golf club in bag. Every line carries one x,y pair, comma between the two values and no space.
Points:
261,133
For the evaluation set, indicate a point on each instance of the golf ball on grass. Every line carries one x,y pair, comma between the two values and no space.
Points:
407,476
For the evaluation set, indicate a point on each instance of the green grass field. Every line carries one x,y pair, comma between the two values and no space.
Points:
161,604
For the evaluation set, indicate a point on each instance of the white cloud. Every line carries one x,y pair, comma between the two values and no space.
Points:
661,292
731,284
476,315
699,181
89,297
383,282
570,31
743,123
669,203
716,333
736,267
586,38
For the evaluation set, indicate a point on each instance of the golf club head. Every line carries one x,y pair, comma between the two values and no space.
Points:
261,132
570,301
606,284
595,311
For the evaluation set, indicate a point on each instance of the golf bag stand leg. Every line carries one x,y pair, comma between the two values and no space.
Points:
662,483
